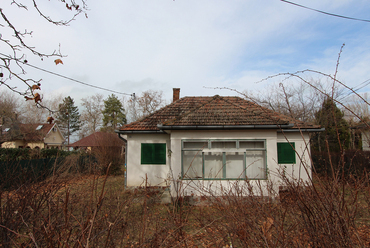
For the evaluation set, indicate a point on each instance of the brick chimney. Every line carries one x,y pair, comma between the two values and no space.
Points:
176,94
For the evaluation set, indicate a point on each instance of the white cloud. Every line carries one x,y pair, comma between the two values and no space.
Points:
132,46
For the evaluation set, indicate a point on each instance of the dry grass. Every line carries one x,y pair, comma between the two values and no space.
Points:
95,211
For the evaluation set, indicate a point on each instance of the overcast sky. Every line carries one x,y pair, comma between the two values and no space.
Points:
196,45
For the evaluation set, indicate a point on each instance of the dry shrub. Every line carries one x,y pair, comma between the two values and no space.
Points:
109,150
97,212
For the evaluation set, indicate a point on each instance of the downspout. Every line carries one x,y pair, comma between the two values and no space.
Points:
125,172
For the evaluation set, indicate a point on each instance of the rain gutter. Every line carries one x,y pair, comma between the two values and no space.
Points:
125,172
224,127
302,130
140,131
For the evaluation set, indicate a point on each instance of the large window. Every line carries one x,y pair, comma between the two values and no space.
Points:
286,153
223,159
154,153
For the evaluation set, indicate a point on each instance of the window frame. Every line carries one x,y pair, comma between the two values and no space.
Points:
224,152
162,161
291,150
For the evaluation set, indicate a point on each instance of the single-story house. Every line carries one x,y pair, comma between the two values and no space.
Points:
37,135
98,140
205,144
362,130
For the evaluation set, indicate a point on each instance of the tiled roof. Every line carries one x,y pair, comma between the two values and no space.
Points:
99,139
212,111
28,132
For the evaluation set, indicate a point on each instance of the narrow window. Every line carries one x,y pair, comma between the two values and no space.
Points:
154,153
286,153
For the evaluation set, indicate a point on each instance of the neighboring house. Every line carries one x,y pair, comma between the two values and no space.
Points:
365,137
362,130
98,140
208,143
32,136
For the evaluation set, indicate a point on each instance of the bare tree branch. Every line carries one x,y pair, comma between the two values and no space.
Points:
13,48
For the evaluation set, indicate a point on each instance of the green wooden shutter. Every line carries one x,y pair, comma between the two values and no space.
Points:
286,153
154,153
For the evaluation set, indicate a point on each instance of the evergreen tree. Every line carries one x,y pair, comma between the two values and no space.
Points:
68,117
113,113
331,118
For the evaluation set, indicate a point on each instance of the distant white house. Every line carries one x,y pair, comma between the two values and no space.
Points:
364,130
211,142
39,135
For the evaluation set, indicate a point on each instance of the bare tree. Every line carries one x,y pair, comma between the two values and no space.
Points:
15,44
30,114
91,116
357,105
144,105
9,108
296,99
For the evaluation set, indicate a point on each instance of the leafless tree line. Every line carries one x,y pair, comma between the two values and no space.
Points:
15,109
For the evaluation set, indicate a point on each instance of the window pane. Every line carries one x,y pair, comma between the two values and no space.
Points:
192,164
199,145
286,153
235,165
255,163
224,144
213,165
251,144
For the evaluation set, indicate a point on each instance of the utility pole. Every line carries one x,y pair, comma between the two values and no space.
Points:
67,114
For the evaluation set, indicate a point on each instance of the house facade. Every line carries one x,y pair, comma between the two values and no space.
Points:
204,145
32,136
365,137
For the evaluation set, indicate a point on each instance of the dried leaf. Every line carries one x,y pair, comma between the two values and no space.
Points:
37,97
36,87
58,61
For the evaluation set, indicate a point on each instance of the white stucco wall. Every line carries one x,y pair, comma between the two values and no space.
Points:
137,172
159,174
365,137
301,170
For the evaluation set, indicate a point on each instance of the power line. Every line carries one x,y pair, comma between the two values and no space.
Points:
77,81
326,13
72,79
357,88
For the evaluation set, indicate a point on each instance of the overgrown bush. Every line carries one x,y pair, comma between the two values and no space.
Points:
11,154
350,163
22,166
96,212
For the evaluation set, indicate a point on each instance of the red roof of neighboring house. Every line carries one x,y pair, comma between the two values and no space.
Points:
28,132
213,111
99,139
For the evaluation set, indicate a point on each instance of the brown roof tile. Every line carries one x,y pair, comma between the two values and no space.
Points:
99,139
28,132
212,111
